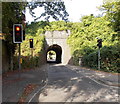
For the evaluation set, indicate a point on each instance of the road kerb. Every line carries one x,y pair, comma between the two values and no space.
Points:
37,90
108,83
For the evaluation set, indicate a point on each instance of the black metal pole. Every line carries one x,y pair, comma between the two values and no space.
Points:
98,58
32,57
19,59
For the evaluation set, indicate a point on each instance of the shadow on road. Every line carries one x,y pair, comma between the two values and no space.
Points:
66,85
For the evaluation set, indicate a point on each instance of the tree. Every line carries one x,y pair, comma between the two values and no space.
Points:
12,13
55,9
112,10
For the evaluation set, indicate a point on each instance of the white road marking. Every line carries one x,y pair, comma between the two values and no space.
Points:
76,69
101,83
80,73
46,82
37,92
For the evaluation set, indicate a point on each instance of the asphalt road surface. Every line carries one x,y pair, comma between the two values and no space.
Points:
68,85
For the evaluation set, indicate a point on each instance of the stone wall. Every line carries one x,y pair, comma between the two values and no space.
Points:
59,38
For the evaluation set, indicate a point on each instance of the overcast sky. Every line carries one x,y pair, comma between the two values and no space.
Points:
75,9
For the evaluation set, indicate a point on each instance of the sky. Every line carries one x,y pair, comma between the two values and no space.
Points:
75,8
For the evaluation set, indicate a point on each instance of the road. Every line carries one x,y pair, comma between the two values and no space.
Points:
68,85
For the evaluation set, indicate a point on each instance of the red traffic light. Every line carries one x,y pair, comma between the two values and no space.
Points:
17,28
17,33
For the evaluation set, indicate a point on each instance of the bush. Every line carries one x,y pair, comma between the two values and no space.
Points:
84,51
28,62
110,59
90,60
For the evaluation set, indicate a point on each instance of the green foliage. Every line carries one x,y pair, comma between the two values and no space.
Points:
42,26
36,27
30,60
38,40
84,35
12,13
110,59
56,25
56,10
37,44
112,10
83,42
90,60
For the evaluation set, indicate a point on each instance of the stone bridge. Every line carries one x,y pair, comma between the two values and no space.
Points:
57,42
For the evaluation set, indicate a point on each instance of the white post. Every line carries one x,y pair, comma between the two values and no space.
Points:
80,60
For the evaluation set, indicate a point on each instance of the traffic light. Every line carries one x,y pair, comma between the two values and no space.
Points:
31,43
99,43
17,33
23,34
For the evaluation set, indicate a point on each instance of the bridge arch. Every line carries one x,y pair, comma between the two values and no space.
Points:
58,52
58,38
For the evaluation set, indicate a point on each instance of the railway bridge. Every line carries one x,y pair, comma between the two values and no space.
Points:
57,41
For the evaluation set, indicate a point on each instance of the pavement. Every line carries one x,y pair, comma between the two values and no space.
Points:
14,84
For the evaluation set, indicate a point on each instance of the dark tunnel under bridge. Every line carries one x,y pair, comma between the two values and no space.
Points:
58,53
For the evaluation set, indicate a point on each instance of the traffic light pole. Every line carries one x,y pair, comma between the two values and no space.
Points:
99,46
19,59
18,38
99,58
32,55
32,52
